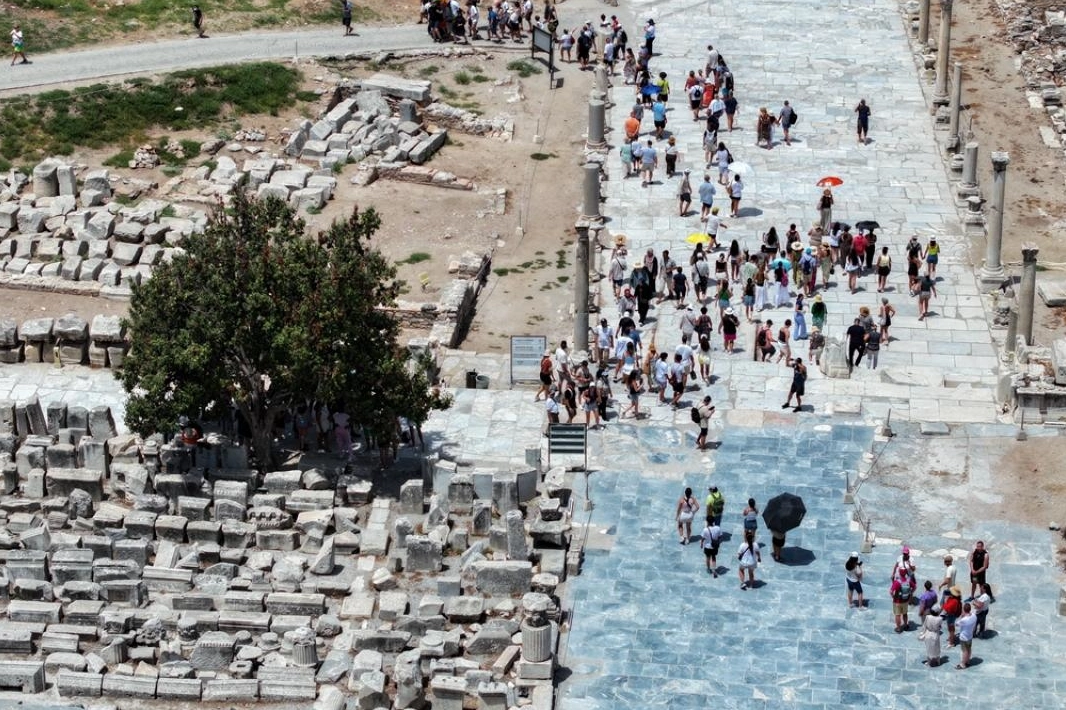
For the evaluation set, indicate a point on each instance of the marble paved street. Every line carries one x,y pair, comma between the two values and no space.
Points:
652,629
822,57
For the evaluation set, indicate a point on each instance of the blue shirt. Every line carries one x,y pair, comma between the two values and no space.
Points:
707,192
658,111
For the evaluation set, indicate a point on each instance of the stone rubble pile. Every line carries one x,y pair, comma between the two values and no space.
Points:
146,157
250,135
362,127
140,569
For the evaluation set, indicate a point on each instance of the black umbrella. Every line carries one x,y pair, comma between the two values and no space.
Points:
784,512
868,225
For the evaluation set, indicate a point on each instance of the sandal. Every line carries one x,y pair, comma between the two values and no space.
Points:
960,667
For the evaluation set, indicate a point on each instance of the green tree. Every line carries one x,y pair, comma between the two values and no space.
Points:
257,310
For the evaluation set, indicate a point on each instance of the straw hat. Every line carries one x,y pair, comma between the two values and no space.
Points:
797,246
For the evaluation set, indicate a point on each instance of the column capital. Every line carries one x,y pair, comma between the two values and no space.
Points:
1029,253
1000,160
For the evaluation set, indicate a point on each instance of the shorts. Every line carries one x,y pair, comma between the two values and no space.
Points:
694,104
932,259
685,196
923,296
729,337
545,379
703,431
950,619
883,270
966,645
749,300
711,551
900,608
978,578
618,282
797,390
634,398
854,586
660,124
706,205
677,387
704,359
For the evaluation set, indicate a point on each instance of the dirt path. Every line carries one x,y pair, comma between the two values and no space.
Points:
994,90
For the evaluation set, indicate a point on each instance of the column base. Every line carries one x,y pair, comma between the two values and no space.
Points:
941,100
991,279
964,191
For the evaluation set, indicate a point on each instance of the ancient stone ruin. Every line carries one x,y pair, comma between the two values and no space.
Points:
153,570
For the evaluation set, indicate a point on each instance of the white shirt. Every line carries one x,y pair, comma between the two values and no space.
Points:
747,553
685,351
713,222
949,573
603,336
562,359
736,188
710,536
660,371
717,105
551,406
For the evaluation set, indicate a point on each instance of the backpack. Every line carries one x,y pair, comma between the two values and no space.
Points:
697,94
695,414
806,265
795,117
905,590
761,338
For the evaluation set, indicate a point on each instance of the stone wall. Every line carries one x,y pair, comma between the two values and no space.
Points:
69,338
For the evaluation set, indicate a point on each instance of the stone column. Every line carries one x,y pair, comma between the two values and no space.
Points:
968,186
581,287
1012,330
304,653
602,82
923,24
992,273
536,629
1027,296
597,123
954,139
591,202
943,52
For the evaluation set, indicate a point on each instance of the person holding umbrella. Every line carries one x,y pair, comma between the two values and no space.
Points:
825,209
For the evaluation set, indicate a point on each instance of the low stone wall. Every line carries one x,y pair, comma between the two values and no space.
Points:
69,338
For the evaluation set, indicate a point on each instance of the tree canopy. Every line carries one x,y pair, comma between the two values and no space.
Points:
257,311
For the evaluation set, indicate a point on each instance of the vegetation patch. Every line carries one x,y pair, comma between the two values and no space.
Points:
416,258
523,68
55,122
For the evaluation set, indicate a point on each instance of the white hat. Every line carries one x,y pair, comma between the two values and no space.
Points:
729,311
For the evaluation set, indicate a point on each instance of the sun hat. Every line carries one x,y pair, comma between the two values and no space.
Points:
547,353
687,171
688,307
955,592
729,311
817,298
797,246
854,556
816,329
714,210
906,550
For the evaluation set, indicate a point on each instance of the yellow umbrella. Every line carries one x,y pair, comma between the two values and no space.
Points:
698,238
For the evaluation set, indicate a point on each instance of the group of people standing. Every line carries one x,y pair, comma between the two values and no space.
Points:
938,606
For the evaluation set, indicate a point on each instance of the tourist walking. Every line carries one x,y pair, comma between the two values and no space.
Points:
818,312
728,328
634,386
748,558
856,336
931,256
764,127
649,161
884,319
706,197
703,413
926,291
198,21
873,348
18,46
684,194
967,626
799,329
979,561
853,577
786,117
687,507
930,636
750,516
715,505
710,541
884,268
723,157
815,346
784,335
799,381
862,123
346,17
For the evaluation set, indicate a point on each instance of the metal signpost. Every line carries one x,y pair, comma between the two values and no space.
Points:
526,351
544,41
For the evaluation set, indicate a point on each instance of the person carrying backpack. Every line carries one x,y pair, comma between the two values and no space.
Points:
710,540
701,414
715,505
901,591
